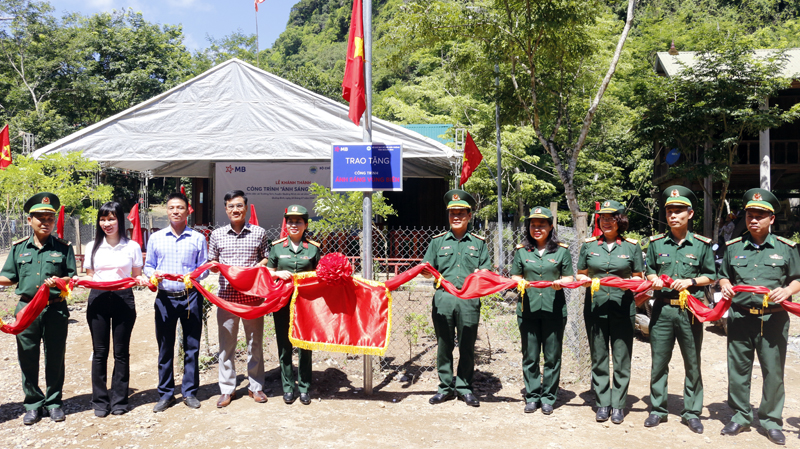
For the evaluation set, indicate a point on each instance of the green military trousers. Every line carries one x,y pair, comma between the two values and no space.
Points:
451,315
304,370
49,327
670,323
616,333
744,338
542,333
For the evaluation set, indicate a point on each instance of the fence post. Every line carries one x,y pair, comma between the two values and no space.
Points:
77,222
554,210
581,226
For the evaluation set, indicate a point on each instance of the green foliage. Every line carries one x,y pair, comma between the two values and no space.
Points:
343,210
69,176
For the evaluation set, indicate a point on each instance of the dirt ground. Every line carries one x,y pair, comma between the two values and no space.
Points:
396,415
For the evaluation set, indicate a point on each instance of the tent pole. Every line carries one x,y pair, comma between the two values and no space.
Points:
500,257
367,204
258,60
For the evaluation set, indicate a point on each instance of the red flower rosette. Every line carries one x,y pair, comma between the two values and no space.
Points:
334,269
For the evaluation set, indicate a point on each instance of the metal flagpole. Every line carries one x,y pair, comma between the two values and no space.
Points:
367,204
500,258
258,57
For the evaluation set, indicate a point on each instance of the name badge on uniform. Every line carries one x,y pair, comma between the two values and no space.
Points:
55,254
528,260
285,256
691,256
25,254
663,255
473,248
623,256
445,247
593,254
552,260
776,256
304,257
740,257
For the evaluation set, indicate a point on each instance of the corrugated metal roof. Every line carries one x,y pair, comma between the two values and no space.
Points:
667,64
431,131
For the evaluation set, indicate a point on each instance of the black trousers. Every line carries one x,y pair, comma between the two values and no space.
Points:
110,314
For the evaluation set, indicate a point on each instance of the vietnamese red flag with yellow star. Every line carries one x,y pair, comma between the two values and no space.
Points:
353,88
472,158
5,149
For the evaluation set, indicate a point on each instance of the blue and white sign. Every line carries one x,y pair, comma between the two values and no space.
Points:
673,156
366,166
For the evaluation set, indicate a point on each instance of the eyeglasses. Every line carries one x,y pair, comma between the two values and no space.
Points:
238,206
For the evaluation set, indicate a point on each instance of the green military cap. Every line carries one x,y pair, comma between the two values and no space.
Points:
611,207
459,199
42,202
296,210
678,196
541,212
761,199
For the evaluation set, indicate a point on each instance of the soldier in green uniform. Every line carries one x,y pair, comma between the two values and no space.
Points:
610,312
32,262
288,256
688,259
758,326
456,254
542,312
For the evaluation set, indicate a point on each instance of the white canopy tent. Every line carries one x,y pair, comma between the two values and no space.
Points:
237,112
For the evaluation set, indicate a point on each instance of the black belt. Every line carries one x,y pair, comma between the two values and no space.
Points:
179,294
671,301
758,310
51,300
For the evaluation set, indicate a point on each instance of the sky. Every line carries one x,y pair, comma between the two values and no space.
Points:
199,18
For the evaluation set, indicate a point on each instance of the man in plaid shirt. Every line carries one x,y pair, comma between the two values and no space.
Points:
239,244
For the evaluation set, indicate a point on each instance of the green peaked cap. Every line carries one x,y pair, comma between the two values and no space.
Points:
541,212
761,199
459,199
42,202
678,196
611,207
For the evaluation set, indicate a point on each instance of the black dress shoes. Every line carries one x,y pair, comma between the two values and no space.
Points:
305,398
191,402
547,409
32,417
57,414
438,398
289,397
733,428
602,414
617,415
776,436
100,413
653,420
531,407
470,400
694,425
163,404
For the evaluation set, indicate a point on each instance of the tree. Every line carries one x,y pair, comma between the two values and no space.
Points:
710,105
343,210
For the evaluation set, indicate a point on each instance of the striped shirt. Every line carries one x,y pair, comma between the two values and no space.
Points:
245,249
173,254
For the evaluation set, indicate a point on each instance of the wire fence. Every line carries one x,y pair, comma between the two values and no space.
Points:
412,345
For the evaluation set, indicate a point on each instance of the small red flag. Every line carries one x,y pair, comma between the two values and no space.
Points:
597,232
191,209
472,158
136,232
257,2
60,223
353,88
5,149
253,217
284,231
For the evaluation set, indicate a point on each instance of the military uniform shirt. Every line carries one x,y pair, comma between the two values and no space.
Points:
691,259
775,263
283,258
31,266
622,260
456,259
550,266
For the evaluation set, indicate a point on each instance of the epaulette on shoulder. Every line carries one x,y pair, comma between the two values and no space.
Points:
731,242
477,236
703,239
787,241
563,245
17,242
657,237
630,240
440,235
520,246
314,243
590,239
64,241
275,242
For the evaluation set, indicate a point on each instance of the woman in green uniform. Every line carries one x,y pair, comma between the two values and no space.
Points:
542,312
610,312
288,256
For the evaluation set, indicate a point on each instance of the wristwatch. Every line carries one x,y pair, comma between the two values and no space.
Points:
694,282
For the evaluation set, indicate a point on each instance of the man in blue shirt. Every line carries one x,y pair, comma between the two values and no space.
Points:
177,249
